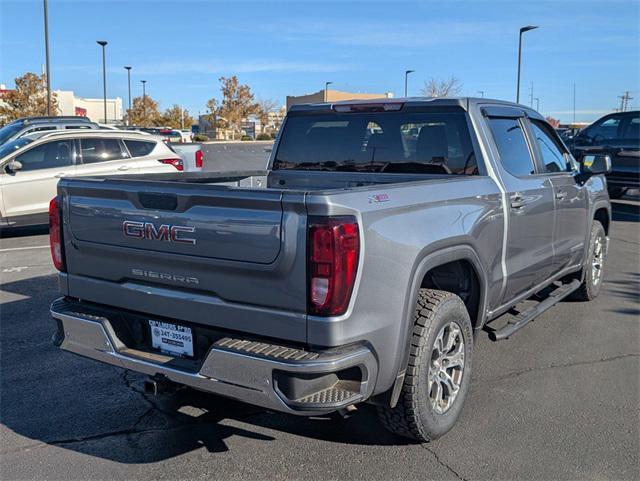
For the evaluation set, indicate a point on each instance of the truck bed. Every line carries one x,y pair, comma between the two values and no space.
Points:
238,252
300,181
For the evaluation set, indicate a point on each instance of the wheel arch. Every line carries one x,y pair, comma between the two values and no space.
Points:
467,256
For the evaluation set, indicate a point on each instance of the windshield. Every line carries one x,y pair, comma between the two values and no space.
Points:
392,142
10,147
9,131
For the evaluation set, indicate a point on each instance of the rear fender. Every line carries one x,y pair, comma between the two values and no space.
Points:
428,262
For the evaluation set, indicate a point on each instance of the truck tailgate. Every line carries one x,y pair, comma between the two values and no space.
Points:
201,253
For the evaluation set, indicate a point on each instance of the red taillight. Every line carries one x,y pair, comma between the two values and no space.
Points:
177,163
199,159
55,234
334,246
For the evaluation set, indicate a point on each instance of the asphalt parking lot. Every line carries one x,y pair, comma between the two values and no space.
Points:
229,156
560,400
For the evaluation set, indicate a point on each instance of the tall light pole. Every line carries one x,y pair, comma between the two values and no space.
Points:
406,75
574,102
481,92
144,102
522,30
46,53
326,87
537,99
129,84
103,43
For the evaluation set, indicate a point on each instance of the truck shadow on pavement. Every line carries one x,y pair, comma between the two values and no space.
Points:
53,398
24,231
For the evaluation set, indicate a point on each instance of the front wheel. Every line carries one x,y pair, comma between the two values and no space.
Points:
439,369
594,267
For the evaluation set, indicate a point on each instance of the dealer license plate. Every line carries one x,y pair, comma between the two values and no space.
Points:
171,338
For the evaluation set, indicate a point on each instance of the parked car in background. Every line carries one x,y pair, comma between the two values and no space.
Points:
171,135
21,127
191,154
616,135
187,135
31,168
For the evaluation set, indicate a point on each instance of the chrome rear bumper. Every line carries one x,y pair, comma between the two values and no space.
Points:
231,371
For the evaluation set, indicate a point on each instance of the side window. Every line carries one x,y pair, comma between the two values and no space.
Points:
512,146
139,148
632,130
102,150
47,156
77,127
552,153
606,129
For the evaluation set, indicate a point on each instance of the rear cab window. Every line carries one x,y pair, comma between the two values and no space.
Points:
408,142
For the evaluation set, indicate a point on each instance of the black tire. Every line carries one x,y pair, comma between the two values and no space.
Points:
617,192
414,415
590,287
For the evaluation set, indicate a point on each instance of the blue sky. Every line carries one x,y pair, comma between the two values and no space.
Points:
292,48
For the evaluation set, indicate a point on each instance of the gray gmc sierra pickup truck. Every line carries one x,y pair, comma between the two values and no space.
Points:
383,237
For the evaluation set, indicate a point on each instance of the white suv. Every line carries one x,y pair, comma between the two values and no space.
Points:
30,168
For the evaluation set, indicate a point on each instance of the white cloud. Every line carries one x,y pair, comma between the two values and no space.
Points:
579,112
217,67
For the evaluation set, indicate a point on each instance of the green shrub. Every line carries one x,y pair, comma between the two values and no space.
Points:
273,136
246,137
200,138
263,137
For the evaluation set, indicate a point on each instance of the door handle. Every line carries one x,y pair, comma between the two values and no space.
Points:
517,201
124,167
560,195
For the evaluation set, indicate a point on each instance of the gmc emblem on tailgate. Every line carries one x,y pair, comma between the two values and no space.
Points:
165,233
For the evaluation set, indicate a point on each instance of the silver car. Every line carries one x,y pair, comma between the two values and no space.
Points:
21,127
31,167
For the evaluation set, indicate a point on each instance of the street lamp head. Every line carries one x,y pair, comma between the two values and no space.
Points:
528,27
143,81
128,68
101,42
406,72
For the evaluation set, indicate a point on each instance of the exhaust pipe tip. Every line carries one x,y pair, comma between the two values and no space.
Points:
159,384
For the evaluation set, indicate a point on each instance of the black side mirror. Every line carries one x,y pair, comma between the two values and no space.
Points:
591,165
13,166
596,164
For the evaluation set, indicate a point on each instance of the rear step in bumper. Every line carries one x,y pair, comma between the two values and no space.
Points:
313,384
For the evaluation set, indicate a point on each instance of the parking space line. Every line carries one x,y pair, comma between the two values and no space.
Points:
23,248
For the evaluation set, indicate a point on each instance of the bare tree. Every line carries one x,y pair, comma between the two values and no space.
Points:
236,105
265,107
442,88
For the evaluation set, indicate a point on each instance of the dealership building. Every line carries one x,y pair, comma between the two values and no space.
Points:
70,104
333,96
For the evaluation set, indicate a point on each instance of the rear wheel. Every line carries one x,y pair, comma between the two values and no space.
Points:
617,192
439,369
594,268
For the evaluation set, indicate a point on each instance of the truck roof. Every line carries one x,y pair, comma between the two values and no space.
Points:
462,102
